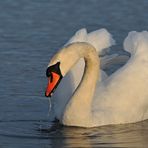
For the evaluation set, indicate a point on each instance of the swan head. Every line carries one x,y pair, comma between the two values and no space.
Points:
57,68
61,63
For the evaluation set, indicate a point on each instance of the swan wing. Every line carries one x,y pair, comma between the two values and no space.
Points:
123,97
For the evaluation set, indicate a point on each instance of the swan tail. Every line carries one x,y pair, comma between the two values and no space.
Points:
100,39
136,41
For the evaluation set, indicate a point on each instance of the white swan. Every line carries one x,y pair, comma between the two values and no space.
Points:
122,98
100,39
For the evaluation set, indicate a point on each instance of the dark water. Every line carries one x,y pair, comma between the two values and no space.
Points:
31,31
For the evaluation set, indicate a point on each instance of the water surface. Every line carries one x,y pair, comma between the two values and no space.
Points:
31,31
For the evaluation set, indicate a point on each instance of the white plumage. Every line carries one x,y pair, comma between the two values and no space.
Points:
119,98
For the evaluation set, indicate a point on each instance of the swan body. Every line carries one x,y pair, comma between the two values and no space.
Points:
120,98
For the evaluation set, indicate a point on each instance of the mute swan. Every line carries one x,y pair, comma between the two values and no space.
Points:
122,98
100,39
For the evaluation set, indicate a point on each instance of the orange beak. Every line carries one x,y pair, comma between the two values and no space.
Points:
53,81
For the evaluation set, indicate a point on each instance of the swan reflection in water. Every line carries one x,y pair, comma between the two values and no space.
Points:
126,135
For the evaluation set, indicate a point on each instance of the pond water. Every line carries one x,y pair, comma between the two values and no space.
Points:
31,31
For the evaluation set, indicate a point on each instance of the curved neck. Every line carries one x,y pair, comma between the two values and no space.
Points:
79,106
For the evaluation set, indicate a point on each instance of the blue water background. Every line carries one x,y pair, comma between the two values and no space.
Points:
31,31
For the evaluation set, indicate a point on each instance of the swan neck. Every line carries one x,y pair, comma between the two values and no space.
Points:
79,107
